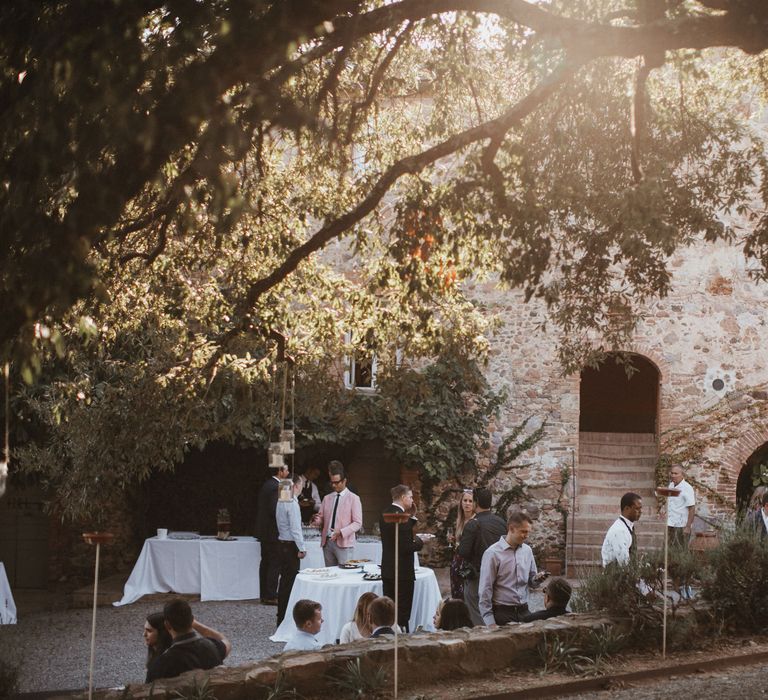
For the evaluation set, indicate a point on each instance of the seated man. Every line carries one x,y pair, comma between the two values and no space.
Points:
308,616
557,594
194,645
382,614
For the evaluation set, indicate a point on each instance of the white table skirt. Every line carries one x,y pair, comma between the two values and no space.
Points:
339,596
362,550
7,605
215,570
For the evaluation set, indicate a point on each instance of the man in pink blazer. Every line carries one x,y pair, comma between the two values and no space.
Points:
340,517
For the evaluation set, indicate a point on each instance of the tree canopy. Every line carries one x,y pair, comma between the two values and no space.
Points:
181,178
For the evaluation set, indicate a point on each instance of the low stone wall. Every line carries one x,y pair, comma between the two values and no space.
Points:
421,658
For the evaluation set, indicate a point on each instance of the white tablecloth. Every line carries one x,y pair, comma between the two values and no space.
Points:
338,597
7,606
216,570
363,550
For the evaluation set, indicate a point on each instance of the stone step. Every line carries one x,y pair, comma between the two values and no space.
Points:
599,508
618,460
590,491
590,527
592,539
596,472
591,477
601,524
580,568
622,449
610,465
618,438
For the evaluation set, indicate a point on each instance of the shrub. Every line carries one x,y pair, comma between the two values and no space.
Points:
358,680
736,581
634,592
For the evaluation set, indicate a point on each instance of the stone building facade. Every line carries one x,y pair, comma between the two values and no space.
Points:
703,347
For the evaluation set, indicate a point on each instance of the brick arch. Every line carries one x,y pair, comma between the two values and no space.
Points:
749,441
606,404
651,354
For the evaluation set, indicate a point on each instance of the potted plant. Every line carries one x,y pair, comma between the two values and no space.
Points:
552,561
223,524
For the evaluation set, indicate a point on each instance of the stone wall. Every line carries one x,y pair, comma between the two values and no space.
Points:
421,659
712,326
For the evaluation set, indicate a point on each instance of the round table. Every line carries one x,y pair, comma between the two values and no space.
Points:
339,596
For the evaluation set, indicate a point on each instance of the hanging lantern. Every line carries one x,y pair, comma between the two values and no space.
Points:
275,456
287,442
285,490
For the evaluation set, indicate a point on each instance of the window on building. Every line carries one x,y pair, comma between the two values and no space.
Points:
359,369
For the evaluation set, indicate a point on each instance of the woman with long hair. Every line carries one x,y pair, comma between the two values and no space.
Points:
452,614
156,637
360,626
466,511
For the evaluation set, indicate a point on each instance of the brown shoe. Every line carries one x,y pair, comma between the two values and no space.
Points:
268,601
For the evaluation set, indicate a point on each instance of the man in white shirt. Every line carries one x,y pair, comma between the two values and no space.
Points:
680,509
620,543
309,497
507,571
291,547
308,616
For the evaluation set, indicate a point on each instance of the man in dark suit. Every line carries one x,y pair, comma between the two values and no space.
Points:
757,520
266,532
402,502
382,614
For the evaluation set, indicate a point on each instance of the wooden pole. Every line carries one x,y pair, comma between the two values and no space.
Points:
93,622
397,593
664,619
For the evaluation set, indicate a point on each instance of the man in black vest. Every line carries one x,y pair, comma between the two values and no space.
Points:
194,644
402,502
481,532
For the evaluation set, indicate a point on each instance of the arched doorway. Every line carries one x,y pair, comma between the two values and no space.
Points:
618,452
746,490
611,401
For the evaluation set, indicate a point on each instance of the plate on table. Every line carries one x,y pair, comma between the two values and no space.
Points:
315,572
326,575
349,566
371,577
183,535
358,561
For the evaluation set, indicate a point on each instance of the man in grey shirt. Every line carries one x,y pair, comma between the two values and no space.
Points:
479,533
507,571
291,547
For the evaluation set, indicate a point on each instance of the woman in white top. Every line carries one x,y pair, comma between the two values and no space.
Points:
359,627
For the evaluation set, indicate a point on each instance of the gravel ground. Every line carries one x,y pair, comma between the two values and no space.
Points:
736,683
54,647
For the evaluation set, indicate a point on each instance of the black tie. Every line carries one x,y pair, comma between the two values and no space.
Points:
335,507
633,546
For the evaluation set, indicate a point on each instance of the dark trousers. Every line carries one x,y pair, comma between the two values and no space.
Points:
405,601
269,570
289,567
509,613
677,537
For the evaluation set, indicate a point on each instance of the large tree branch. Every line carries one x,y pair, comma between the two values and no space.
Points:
743,25
493,129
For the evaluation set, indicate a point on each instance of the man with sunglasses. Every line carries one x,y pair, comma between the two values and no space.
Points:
340,517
